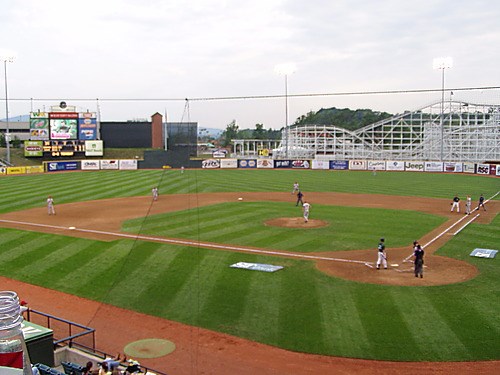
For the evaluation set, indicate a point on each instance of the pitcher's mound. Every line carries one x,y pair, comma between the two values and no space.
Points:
296,222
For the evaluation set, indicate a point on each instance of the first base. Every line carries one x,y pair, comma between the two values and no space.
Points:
394,265
240,199
71,228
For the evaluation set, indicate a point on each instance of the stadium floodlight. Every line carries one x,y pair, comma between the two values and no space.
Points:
442,63
7,56
285,70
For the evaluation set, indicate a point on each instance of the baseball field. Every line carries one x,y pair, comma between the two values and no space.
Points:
171,258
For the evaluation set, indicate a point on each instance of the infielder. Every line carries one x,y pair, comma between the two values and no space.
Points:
50,205
299,199
306,207
468,203
455,203
155,193
295,188
419,261
382,257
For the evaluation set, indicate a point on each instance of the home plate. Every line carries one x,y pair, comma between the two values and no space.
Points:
71,228
394,265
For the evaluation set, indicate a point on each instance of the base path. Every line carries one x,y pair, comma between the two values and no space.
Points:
200,351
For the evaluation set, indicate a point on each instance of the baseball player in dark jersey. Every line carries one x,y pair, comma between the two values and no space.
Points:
418,253
382,257
455,203
299,198
481,203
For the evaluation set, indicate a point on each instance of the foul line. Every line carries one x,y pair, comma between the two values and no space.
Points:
467,223
187,243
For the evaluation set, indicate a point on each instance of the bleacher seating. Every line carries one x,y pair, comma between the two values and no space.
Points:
72,368
44,369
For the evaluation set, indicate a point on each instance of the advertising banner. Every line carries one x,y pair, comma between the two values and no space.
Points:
127,164
357,165
339,165
109,164
87,127
414,166
493,169
39,126
282,164
16,170
452,167
55,166
220,153
247,163
229,163
210,163
393,165
94,148
91,165
320,164
433,166
301,164
483,169
469,167
3,170
34,169
265,163
33,149
375,165
498,170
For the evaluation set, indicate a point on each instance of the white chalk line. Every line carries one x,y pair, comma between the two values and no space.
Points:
467,223
188,243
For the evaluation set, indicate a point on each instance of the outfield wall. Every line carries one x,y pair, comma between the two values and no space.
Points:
356,165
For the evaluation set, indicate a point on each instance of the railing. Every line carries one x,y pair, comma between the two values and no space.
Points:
64,334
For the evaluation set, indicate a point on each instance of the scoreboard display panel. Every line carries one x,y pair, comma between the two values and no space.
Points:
64,148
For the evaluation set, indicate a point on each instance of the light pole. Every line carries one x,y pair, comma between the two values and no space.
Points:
7,58
286,70
442,63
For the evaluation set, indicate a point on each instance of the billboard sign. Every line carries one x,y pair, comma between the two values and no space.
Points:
109,164
62,166
127,164
33,149
247,163
433,166
393,165
39,126
210,163
320,164
357,165
87,126
301,164
414,166
265,163
229,163
90,165
483,169
94,148
469,167
339,165
452,167
282,164
374,165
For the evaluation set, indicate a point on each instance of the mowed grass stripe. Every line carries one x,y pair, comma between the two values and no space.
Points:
18,252
228,298
261,315
300,320
341,322
417,311
134,285
384,324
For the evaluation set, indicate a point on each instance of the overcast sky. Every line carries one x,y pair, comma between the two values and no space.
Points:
138,49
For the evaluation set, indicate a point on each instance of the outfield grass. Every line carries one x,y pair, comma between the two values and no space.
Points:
298,308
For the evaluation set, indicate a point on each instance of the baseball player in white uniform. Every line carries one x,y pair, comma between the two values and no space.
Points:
295,187
468,204
155,193
306,207
50,205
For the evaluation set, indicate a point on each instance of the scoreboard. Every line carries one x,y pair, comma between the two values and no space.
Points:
64,148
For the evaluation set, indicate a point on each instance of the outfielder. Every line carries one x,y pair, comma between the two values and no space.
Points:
155,193
382,257
306,207
295,188
50,205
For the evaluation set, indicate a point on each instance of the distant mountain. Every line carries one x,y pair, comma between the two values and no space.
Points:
22,118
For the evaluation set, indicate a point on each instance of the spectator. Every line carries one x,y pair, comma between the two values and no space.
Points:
87,370
133,367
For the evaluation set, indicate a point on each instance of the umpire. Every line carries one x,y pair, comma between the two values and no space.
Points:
419,261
